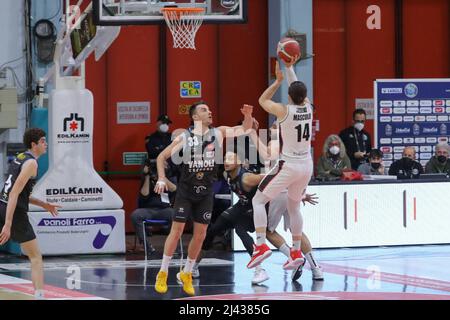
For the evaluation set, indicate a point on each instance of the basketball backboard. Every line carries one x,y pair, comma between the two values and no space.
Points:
125,12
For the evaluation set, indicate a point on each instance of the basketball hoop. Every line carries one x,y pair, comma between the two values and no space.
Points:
183,24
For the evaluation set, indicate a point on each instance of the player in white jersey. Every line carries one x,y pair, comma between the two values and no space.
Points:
294,168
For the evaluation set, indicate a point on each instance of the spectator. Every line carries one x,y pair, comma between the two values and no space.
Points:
357,140
160,139
440,162
333,159
150,204
407,167
375,165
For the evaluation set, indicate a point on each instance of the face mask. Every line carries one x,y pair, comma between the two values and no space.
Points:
359,126
164,128
375,165
334,150
442,159
407,162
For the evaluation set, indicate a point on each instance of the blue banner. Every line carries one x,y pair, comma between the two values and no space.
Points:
411,112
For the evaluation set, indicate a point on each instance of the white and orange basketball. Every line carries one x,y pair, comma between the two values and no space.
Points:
287,49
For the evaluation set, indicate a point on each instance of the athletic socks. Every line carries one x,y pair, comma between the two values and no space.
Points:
39,294
312,262
260,238
189,265
165,263
296,244
285,250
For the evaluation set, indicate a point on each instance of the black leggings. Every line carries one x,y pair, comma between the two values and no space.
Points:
236,217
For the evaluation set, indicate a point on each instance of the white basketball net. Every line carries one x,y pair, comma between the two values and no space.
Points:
183,24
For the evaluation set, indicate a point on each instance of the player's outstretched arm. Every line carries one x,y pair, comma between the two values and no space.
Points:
170,150
247,124
265,100
290,73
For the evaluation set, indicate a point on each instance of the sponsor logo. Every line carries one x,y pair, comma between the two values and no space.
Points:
412,110
420,140
447,103
397,140
397,119
74,194
425,110
199,189
402,130
430,130
431,140
385,119
438,103
229,4
399,110
408,118
386,111
385,140
419,118
412,103
398,149
431,118
411,90
400,103
443,118
391,90
387,156
386,103
438,110
442,139
74,191
99,240
207,216
199,175
386,149
408,140
398,156
426,149
426,103
73,129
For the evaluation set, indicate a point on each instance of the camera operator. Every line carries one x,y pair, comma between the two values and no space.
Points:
150,204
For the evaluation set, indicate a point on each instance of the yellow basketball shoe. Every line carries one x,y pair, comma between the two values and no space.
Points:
186,279
161,282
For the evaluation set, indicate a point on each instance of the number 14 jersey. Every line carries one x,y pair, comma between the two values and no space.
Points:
295,132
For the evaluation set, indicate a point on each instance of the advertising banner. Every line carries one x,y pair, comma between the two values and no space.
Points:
411,112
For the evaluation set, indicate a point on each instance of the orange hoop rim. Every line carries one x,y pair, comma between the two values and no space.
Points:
179,10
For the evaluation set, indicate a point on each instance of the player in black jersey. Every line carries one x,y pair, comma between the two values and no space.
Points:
244,184
201,155
15,199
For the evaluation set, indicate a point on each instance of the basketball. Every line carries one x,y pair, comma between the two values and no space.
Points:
287,49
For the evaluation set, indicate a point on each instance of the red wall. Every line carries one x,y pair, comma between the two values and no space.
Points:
349,56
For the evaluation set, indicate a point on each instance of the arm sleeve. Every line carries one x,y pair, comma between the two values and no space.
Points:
290,75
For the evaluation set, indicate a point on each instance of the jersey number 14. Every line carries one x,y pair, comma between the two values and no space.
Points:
305,134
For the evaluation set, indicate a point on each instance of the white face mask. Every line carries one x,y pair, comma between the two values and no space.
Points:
359,126
164,128
334,150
